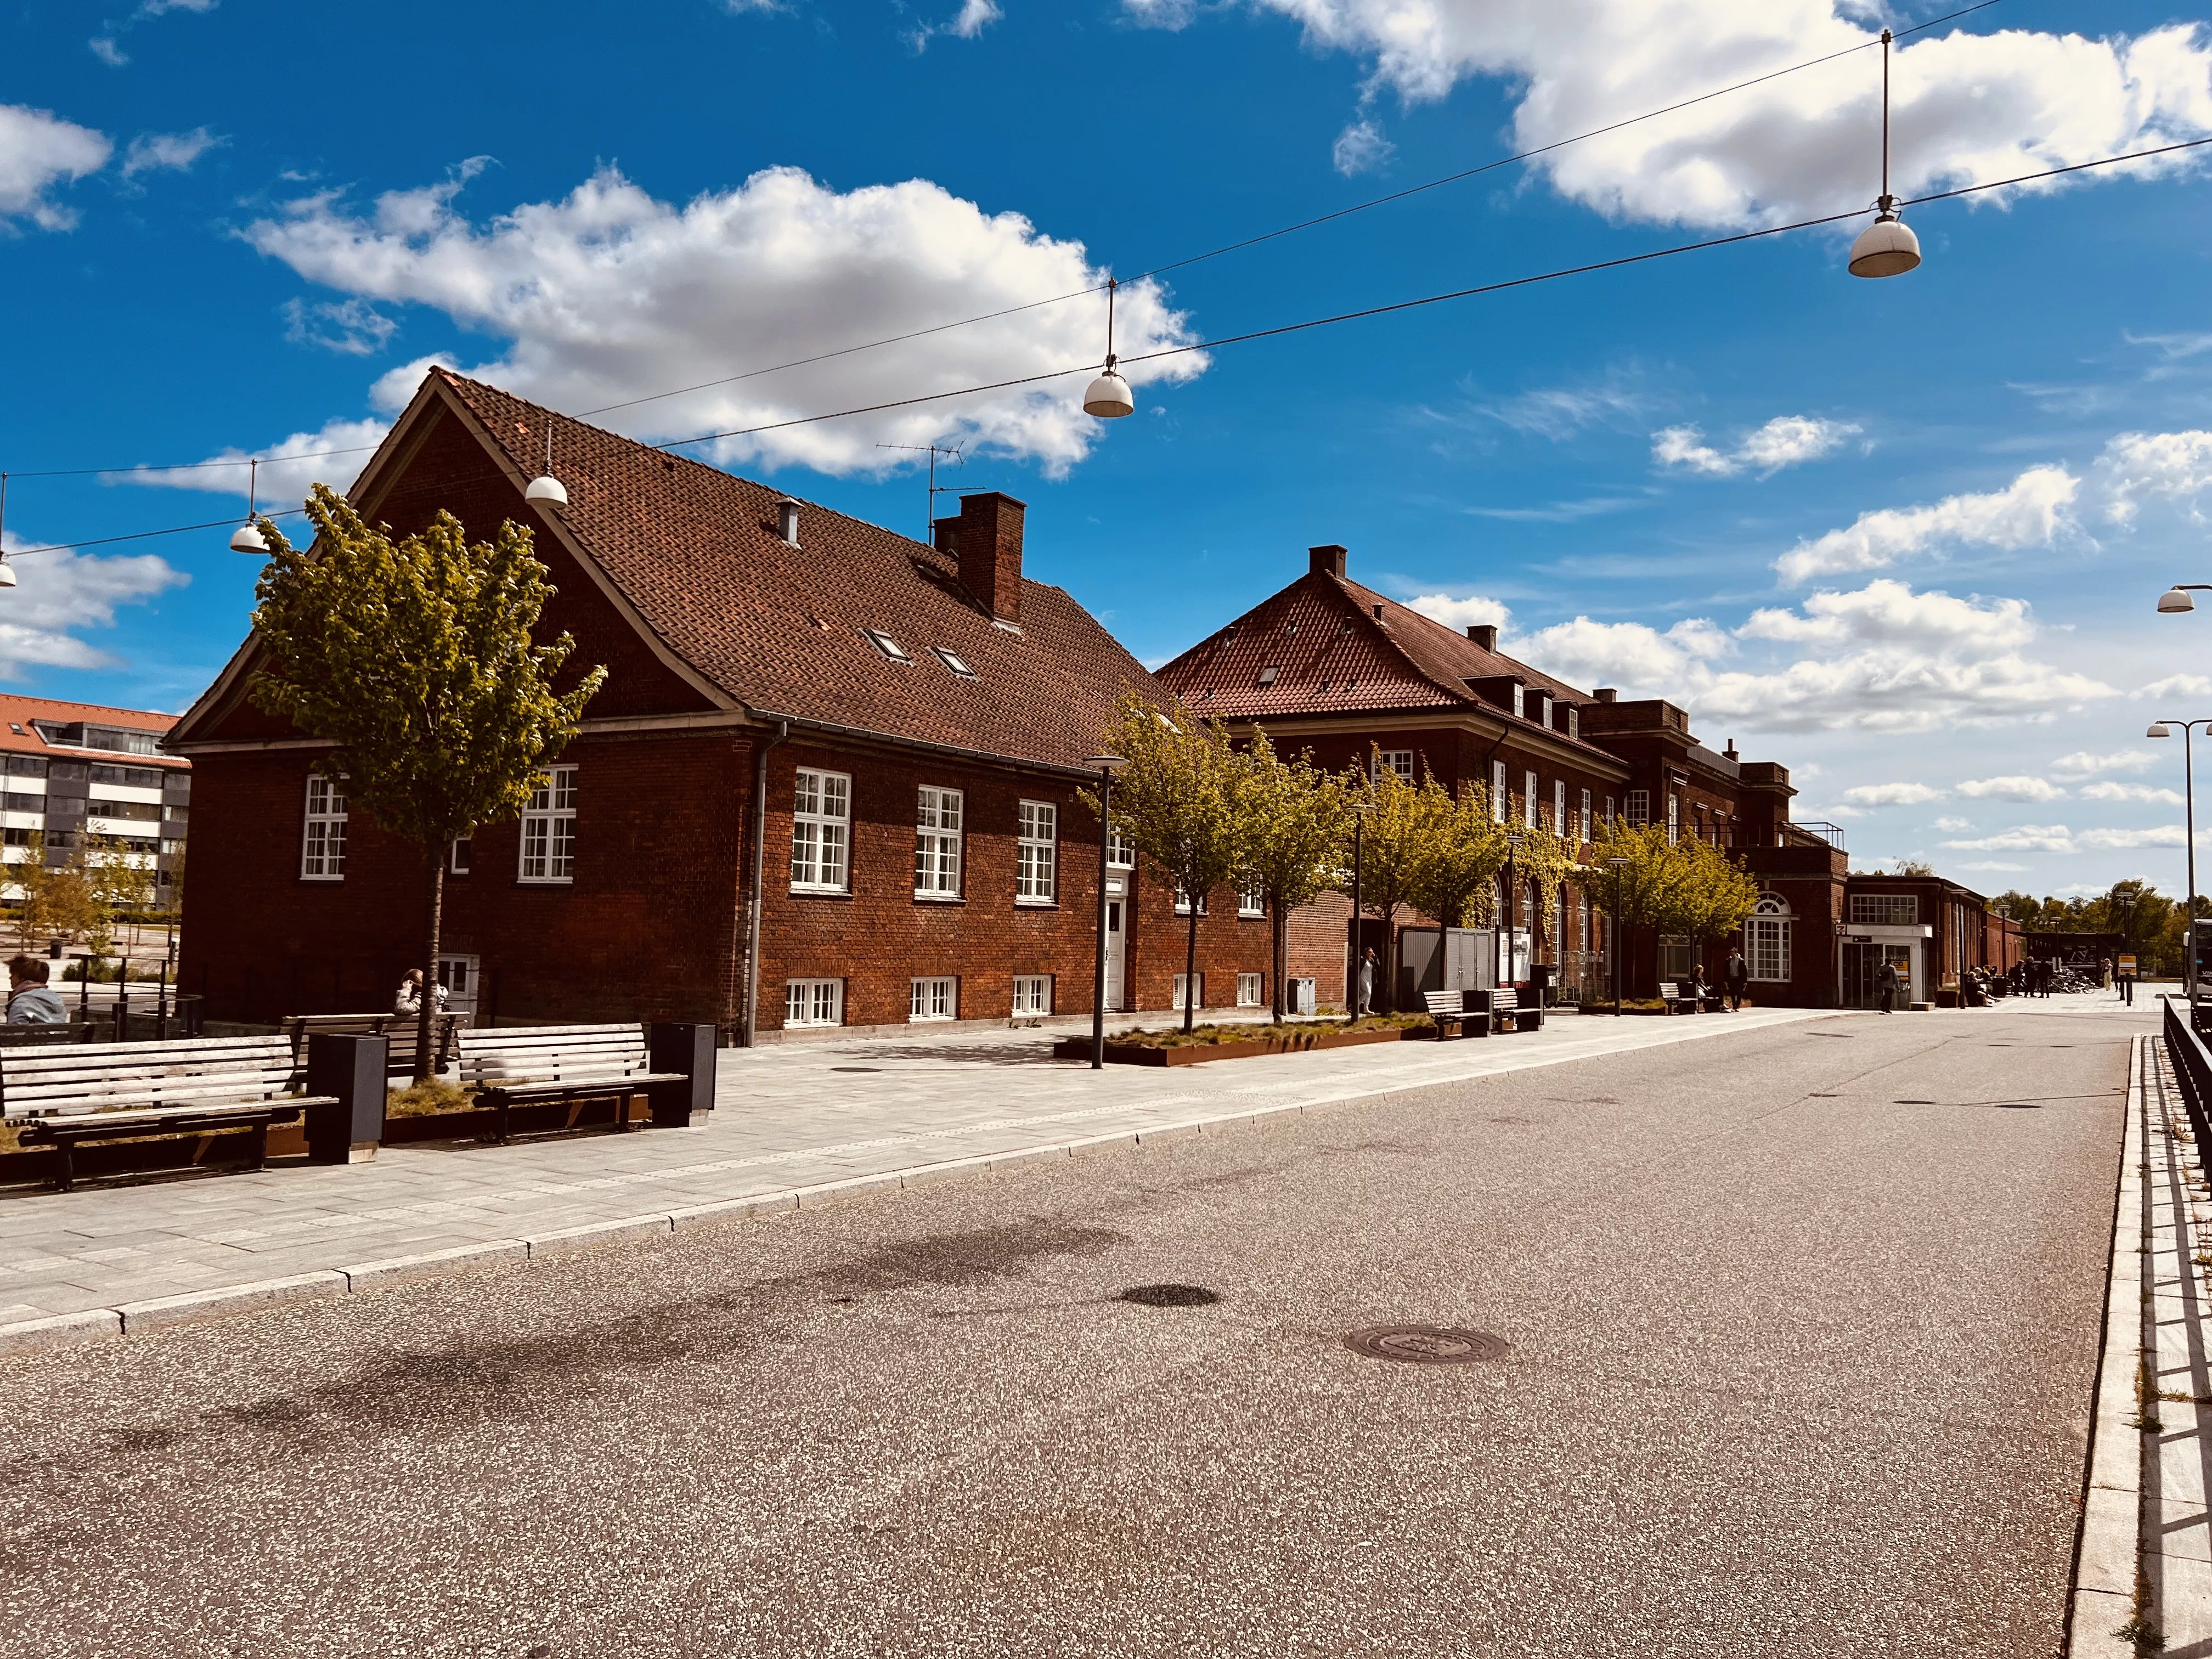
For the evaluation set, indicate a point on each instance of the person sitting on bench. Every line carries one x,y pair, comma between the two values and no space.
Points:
31,1001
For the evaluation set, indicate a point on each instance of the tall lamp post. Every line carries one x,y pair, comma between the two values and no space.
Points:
1354,954
1515,841
1106,764
2165,729
1618,865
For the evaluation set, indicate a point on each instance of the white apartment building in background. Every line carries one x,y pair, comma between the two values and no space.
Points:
70,769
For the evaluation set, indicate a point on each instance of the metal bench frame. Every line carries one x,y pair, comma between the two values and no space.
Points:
559,1063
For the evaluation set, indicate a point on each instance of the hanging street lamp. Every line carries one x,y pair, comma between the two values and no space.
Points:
2176,600
247,537
1887,247
1108,396
545,490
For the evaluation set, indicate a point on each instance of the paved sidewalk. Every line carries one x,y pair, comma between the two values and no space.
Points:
793,1123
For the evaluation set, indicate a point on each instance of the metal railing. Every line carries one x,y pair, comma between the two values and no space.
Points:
2191,1060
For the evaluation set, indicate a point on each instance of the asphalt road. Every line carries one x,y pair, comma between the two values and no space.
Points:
1801,1327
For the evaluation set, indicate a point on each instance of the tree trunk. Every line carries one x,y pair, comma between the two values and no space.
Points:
1190,969
1389,986
1278,930
427,1012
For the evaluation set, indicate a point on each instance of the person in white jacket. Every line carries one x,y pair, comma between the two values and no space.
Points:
409,998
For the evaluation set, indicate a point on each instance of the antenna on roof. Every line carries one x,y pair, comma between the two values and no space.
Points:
951,452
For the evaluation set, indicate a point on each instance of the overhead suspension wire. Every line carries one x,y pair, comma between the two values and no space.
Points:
1439,298
1096,288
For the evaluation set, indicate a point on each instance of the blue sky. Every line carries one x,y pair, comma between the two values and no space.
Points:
1903,536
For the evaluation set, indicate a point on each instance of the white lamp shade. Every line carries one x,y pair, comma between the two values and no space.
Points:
247,539
546,488
2175,600
1887,247
6,576
2158,730
1108,397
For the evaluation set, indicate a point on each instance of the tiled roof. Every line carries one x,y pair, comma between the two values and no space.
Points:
1333,652
19,737
695,551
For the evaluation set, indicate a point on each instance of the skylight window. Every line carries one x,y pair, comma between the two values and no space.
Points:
1267,676
884,643
955,661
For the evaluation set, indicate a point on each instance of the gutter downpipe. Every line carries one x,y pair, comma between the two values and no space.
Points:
753,907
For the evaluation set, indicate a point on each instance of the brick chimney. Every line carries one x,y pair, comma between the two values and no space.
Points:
1325,561
1484,635
987,540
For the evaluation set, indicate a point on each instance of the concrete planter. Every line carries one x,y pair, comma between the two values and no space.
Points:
1131,1054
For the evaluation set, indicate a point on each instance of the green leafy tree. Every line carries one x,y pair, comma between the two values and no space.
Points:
1296,819
1457,881
55,903
415,658
1713,893
1546,855
1178,797
1635,877
116,885
1404,830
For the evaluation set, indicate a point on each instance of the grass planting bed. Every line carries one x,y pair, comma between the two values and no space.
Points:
1175,1047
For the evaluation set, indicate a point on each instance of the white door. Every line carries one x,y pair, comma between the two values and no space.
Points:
1116,935
459,975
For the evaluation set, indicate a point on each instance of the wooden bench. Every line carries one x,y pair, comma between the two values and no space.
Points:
72,1093
1505,1003
1675,1001
533,1065
1449,1010
397,1030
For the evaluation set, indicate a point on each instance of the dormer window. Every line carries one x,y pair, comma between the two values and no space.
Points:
884,643
951,659
1267,676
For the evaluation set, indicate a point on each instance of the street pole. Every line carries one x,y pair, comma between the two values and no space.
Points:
1358,956
1098,966
2158,729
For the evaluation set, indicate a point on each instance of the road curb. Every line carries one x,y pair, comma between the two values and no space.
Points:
2108,1551
65,1330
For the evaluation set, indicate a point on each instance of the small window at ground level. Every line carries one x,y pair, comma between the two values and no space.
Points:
814,1002
1250,990
1032,994
936,999
1181,987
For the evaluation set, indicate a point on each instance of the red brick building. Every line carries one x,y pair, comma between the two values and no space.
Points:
1332,668
832,780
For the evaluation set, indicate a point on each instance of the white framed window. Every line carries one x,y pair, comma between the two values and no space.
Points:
549,830
1251,900
1182,902
821,831
1885,909
1036,866
1399,761
937,998
1498,802
937,843
1251,990
814,1002
1032,994
1608,809
1182,986
1639,808
1528,800
464,852
1586,815
1575,723
1121,851
322,844
1561,824
1766,939
1673,818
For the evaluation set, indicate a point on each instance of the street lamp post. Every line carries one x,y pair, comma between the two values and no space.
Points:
1618,865
1105,763
1515,841
1354,953
2165,729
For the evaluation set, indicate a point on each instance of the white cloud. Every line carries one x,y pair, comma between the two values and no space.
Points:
1560,412
162,7
2177,685
2023,838
1892,794
352,326
1992,864
2011,787
105,49
1361,147
2030,512
1460,614
1785,441
287,468
168,151
39,150
59,590
2108,790
1953,826
2173,466
609,294
1631,654
970,21
2082,763
1169,14
1969,107
2165,835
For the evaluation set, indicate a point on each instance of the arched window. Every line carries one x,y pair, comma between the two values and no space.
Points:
1766,938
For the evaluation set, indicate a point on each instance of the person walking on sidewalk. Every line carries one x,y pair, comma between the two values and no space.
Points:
1366,1003
1886,983
1736,976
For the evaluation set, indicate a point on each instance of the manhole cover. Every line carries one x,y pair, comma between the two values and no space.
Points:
1170,1296
1425,1345
856,1068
